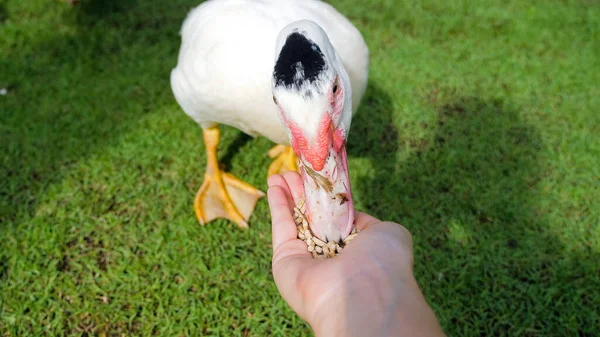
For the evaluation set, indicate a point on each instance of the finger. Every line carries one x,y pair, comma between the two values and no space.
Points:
283,226
294,181
283,230
279,180
364,220
290,256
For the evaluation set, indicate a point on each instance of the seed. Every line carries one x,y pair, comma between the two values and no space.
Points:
318,248
318,241
308,234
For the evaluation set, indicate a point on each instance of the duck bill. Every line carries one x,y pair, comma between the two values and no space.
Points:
329,206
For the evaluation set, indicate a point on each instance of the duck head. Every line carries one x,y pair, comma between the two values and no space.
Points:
313,95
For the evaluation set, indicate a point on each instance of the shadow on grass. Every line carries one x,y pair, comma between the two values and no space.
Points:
98,9
374,135
73,94
3,13
468,195
233,148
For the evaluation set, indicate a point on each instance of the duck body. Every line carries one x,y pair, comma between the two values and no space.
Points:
225,64
233,59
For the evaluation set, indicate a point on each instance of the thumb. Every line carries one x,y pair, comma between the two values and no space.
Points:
283,226
290,257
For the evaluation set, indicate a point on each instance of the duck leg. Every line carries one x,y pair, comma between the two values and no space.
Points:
222,195
285,160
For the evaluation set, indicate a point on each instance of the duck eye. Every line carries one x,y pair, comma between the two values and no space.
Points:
274,99
335,87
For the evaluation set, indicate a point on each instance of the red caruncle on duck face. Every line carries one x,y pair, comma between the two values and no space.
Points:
315,151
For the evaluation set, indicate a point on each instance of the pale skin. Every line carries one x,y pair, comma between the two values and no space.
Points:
368,290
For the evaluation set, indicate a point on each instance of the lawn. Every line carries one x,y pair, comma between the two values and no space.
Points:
479,133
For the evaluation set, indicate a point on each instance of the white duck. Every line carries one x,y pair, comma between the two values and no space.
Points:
293,71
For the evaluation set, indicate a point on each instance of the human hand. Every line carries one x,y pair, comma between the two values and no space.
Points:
368,289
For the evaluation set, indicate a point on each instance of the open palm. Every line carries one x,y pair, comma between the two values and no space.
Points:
373,272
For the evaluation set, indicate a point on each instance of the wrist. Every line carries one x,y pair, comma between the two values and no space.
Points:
375,311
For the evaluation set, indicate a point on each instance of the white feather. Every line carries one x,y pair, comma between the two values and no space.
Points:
226,60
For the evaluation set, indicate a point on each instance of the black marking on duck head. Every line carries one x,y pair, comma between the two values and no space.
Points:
300,60
308,94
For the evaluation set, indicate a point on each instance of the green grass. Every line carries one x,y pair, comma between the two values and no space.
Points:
479,133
